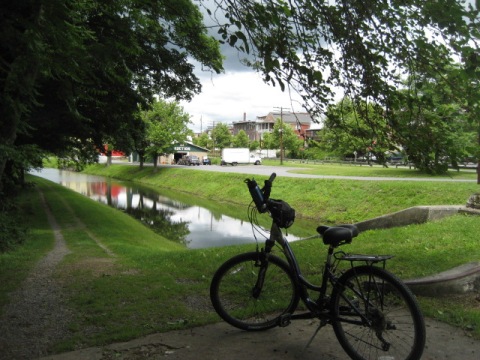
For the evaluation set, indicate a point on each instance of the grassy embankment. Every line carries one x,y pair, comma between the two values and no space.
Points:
152,284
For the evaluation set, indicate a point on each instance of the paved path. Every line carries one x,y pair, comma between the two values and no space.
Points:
285,171
221,341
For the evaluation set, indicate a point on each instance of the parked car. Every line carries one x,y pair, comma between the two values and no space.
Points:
206,161
189,160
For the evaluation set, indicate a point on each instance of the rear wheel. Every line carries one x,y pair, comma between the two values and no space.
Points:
246,302
375,316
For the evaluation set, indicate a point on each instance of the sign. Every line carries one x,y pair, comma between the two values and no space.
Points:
182,148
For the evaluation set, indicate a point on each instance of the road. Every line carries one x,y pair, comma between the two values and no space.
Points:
286,171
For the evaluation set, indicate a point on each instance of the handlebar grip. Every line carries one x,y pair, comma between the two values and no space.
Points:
272,177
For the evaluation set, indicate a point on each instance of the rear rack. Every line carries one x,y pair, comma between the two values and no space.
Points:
367,259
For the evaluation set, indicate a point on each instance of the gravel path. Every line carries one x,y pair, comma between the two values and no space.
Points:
36,316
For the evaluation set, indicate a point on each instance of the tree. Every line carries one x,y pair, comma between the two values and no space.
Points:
77,71
433,124
221,136
241,140
284,137
314,46
37,40
357,128
254,145
166,124
203,140
367,50
268,141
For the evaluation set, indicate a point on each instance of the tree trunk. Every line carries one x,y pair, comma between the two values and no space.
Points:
478,172
109,157
155,162
141,158
478,157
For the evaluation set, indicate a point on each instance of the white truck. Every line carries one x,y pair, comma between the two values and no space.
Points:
237,156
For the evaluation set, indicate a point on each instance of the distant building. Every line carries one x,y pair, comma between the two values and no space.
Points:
299,121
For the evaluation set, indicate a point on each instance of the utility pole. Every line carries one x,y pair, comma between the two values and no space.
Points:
281,133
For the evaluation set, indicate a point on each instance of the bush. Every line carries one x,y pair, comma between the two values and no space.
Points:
12,229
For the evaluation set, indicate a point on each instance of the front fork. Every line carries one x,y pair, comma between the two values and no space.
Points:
262,264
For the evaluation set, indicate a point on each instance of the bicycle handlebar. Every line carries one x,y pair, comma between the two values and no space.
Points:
260,196
282,214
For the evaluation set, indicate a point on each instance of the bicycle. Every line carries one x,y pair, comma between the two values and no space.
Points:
373,314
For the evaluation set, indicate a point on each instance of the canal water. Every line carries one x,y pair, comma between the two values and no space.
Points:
179,220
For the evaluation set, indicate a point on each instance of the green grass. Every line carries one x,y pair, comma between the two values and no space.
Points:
321,200
154,285
15,265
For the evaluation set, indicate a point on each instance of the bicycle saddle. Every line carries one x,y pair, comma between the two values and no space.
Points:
337,235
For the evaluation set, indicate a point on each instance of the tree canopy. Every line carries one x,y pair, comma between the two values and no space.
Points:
365,48
357,129
221,136
75,72
241,140
166,123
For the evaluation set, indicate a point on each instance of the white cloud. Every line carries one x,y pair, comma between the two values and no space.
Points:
226,97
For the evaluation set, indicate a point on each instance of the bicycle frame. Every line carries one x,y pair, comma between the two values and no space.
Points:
302,284
316,308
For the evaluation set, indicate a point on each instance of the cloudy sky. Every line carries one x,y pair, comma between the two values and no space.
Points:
239,90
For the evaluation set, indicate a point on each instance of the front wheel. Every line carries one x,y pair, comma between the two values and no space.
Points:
252,293
375,316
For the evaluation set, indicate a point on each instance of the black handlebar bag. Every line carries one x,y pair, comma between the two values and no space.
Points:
282,213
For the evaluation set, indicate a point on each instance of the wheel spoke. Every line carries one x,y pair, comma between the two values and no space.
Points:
376,316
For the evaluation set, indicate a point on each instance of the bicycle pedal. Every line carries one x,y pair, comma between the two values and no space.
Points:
284,320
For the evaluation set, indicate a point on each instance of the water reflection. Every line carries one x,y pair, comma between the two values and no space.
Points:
186,223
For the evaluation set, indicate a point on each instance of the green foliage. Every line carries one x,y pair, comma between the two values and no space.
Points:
203,140
316,46
268,141
13,229
283,137
74,73
431,122
356,127
221,136
166,123
241,140
254,145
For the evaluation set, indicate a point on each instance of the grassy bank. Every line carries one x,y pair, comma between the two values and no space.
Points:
323,200
420,250
147,284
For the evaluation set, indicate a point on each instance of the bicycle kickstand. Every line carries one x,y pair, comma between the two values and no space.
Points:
322,324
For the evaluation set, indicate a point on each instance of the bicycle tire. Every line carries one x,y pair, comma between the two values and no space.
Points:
231,292
392,326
